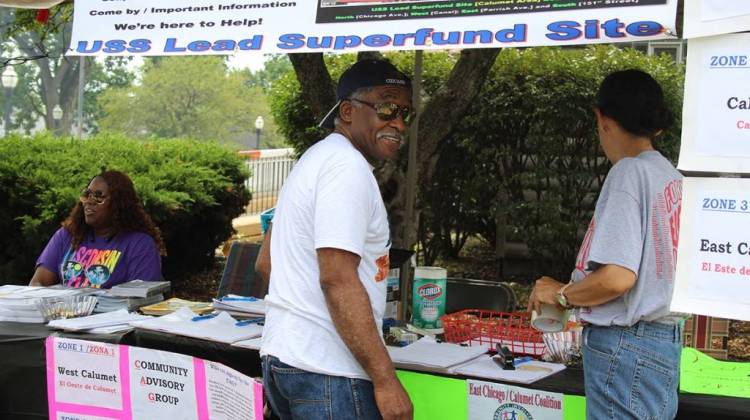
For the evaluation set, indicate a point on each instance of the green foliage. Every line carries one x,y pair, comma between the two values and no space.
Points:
191,189
112,73
49,77
531,149
275,67
196,97
295,119
526,152
290,110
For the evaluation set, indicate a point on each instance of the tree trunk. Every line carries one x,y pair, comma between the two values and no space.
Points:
501,224
317,87
58,80
436,122
437,118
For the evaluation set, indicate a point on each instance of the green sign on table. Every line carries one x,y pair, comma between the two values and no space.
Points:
702,374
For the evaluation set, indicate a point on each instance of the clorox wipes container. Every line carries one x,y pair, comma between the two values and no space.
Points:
428,297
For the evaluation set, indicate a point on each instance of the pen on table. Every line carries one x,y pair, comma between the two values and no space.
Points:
250,321
238,299
205,317
524,359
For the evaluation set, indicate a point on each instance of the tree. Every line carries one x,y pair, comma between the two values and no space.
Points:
48,78
54,78
527,166
523,163
194,97
442,108
273,69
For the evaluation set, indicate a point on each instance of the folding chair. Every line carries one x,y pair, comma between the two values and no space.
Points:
478,294
239,276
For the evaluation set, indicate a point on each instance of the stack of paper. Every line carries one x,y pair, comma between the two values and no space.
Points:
525,373
109,322
19,303
140,288
170,305
109,303
429,355
221,328
240,305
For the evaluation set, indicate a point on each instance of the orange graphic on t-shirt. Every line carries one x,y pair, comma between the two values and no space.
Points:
383,264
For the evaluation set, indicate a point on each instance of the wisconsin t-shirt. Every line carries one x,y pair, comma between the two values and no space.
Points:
101,262
635,225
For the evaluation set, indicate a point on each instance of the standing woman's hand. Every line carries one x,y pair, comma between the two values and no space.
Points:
544,292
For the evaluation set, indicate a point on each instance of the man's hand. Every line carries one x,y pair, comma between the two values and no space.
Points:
545,291
351,313
393,402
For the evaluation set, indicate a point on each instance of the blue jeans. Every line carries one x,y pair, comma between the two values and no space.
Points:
302,395
632,372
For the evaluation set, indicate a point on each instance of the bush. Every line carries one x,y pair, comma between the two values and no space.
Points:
532,138
191,189
527,151
295,119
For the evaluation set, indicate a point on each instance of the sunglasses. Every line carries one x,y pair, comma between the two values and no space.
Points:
95,196
388,111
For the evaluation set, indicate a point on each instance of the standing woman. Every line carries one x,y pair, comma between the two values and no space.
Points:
108,239
624,275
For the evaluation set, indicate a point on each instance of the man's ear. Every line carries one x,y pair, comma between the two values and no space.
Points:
345,111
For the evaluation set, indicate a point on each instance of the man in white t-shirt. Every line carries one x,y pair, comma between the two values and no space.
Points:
323,353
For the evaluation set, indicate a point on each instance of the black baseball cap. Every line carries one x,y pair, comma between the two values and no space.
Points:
362,74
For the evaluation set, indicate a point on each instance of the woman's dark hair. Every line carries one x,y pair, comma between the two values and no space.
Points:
127,210
635,100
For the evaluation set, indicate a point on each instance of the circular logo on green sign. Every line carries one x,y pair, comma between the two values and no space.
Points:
511,411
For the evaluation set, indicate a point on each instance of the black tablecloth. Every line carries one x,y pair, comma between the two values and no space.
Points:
243,360
23,386
23,378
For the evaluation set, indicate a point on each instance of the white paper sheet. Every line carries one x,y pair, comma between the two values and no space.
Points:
723,9
525,373
713,265
107,319
715,17
240,304
426,353
220,328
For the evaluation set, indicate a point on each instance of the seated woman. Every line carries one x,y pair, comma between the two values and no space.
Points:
106,240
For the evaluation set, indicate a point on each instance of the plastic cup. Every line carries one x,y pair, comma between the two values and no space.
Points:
551,319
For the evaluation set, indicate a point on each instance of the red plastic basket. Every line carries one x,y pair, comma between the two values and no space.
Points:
476,327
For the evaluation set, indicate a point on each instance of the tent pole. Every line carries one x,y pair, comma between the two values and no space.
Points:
410,226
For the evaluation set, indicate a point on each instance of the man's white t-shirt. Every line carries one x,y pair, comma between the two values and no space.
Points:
330,200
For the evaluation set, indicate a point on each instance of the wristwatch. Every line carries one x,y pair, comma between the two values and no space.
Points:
561,299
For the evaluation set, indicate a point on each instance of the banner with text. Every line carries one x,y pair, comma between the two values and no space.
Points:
97,381
493,401
716,108
713,264
199,27
715,17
